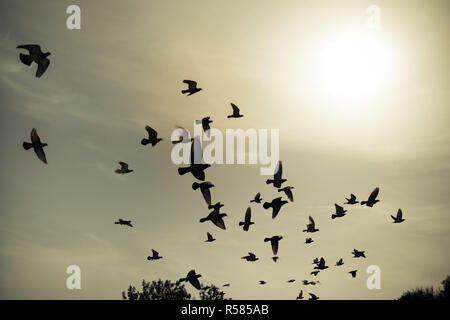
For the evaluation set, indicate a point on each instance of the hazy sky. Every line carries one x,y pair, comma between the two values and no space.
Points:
124,69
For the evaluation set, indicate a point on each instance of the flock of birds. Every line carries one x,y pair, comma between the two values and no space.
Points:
197,169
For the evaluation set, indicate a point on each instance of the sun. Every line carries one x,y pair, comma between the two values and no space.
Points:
353,65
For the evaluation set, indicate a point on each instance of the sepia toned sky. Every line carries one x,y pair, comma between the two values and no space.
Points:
338,135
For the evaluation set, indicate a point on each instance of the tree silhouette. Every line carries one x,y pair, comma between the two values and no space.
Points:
168,290
429,293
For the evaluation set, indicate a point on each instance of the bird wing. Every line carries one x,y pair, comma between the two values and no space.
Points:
191,83
279,172
274,247
206,195
289,194
152,134
248,215
252,255
339,209
399,214
155,253
42,67
312,223
196,149
374,194
218,221
210,237
352,197
40,154
235,109
35,137
32,48
258,195
123,165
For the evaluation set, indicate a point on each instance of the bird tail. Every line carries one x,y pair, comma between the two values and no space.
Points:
145,142
266,205
195,185
184,91
27,145
185,170
25,58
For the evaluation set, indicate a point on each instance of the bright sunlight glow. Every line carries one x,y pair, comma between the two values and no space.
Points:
353,65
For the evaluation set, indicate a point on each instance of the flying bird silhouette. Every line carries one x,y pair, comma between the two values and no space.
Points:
204,188
311,226
192,87
353,273
309,240
358,254
205,124
352,199
313,297
197,169
276,205
340,262
210,237
399,217
247,220
288,192
262,282
35,55
315,261
37,146
216,206
250,257
152,137
226,285
291,281
236,112
275,259
315,273
277,177
216,218
340,212
274,243
257,198
372,198
192,278
155,255
123,168
321,265
124,222
300,295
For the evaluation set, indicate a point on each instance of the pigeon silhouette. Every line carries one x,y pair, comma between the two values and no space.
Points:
192,87
276,205
210,237
309,240
216,206
262,282
257,198
124,222
399,217
197,169
352,199
155,255
291,281
340,212
372,198
35,55
315,273
311,227
204,188
192,278
236,112
37,146
123,168
358,254
274,243
152,137
250,257
353,273
277,180
313,297
340,262
300,295
226,285
316,261
205,124
321,265
305,282
288,192
247,220
216,218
